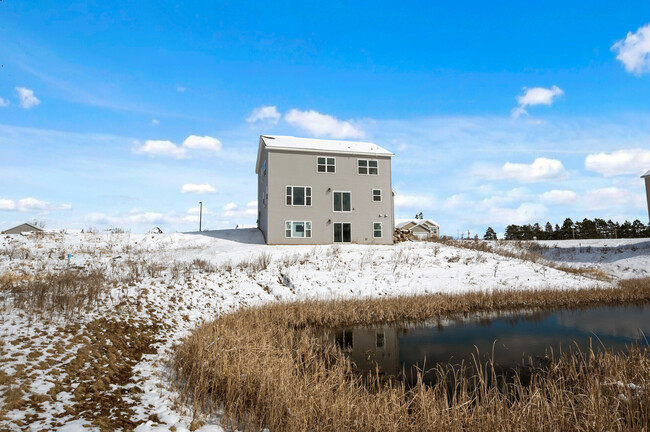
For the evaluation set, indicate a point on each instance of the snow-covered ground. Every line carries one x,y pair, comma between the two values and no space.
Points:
185,279
620,258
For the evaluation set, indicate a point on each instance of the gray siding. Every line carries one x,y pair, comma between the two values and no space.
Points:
647,192
262,201
299,168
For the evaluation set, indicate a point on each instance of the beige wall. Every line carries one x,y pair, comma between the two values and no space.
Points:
647,191
262,202
296,168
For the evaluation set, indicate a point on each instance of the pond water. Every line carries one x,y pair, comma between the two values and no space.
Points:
511,339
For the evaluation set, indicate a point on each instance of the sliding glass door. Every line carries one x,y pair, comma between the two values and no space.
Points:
342,232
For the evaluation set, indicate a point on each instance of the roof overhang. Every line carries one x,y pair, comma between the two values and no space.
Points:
646,175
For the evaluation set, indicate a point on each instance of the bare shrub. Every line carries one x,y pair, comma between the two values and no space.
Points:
262,261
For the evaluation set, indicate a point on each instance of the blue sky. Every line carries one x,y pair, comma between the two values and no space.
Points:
121,114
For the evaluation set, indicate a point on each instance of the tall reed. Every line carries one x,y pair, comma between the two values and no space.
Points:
264,367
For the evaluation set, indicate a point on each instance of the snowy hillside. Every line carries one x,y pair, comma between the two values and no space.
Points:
61,362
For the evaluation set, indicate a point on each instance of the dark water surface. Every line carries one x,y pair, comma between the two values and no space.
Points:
508,338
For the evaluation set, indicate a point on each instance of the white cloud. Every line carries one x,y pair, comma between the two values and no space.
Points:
206,143
541,169
194,188
27,98
627,161
634,51
536,96
322,125
31,205
268,113
4,102
155,122
162,148
168,148
197,210
7,205
180,89
252,204
525,213
559,197
417,202
507,197
230,206
144,217
613,198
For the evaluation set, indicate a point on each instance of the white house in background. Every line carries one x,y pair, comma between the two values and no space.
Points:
420,228
313,191
23,228
646,176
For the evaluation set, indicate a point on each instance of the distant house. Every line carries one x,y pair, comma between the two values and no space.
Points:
646,176
420,228
314,191
22,228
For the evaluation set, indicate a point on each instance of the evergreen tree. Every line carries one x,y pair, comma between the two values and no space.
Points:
490,234
548,235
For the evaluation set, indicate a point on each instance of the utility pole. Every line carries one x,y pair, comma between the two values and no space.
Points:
200,214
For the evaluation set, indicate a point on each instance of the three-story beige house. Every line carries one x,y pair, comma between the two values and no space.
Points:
313,191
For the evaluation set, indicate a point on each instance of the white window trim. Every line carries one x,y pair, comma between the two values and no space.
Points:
341,211
368,166
325,172
299,221
381,226
372,195
297,205
334,223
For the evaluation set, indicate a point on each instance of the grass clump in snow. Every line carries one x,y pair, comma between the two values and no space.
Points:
65,293
264,367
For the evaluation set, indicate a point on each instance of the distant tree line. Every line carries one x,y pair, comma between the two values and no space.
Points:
587,229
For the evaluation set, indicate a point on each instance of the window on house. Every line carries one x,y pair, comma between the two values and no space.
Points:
367,166
264,172
344,339
326,164
297,229
298,196
376,229
342,232
376,195
342,202
380,340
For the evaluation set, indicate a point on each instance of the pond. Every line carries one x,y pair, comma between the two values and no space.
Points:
510,339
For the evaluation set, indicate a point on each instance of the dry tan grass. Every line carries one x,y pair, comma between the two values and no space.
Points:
66,293
265,368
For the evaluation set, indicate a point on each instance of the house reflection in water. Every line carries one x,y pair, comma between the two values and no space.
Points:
369,348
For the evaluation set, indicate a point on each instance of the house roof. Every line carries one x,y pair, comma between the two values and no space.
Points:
35,228
279,142
646,174
399,223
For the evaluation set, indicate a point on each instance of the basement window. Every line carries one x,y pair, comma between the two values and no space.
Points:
297,229
376,230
